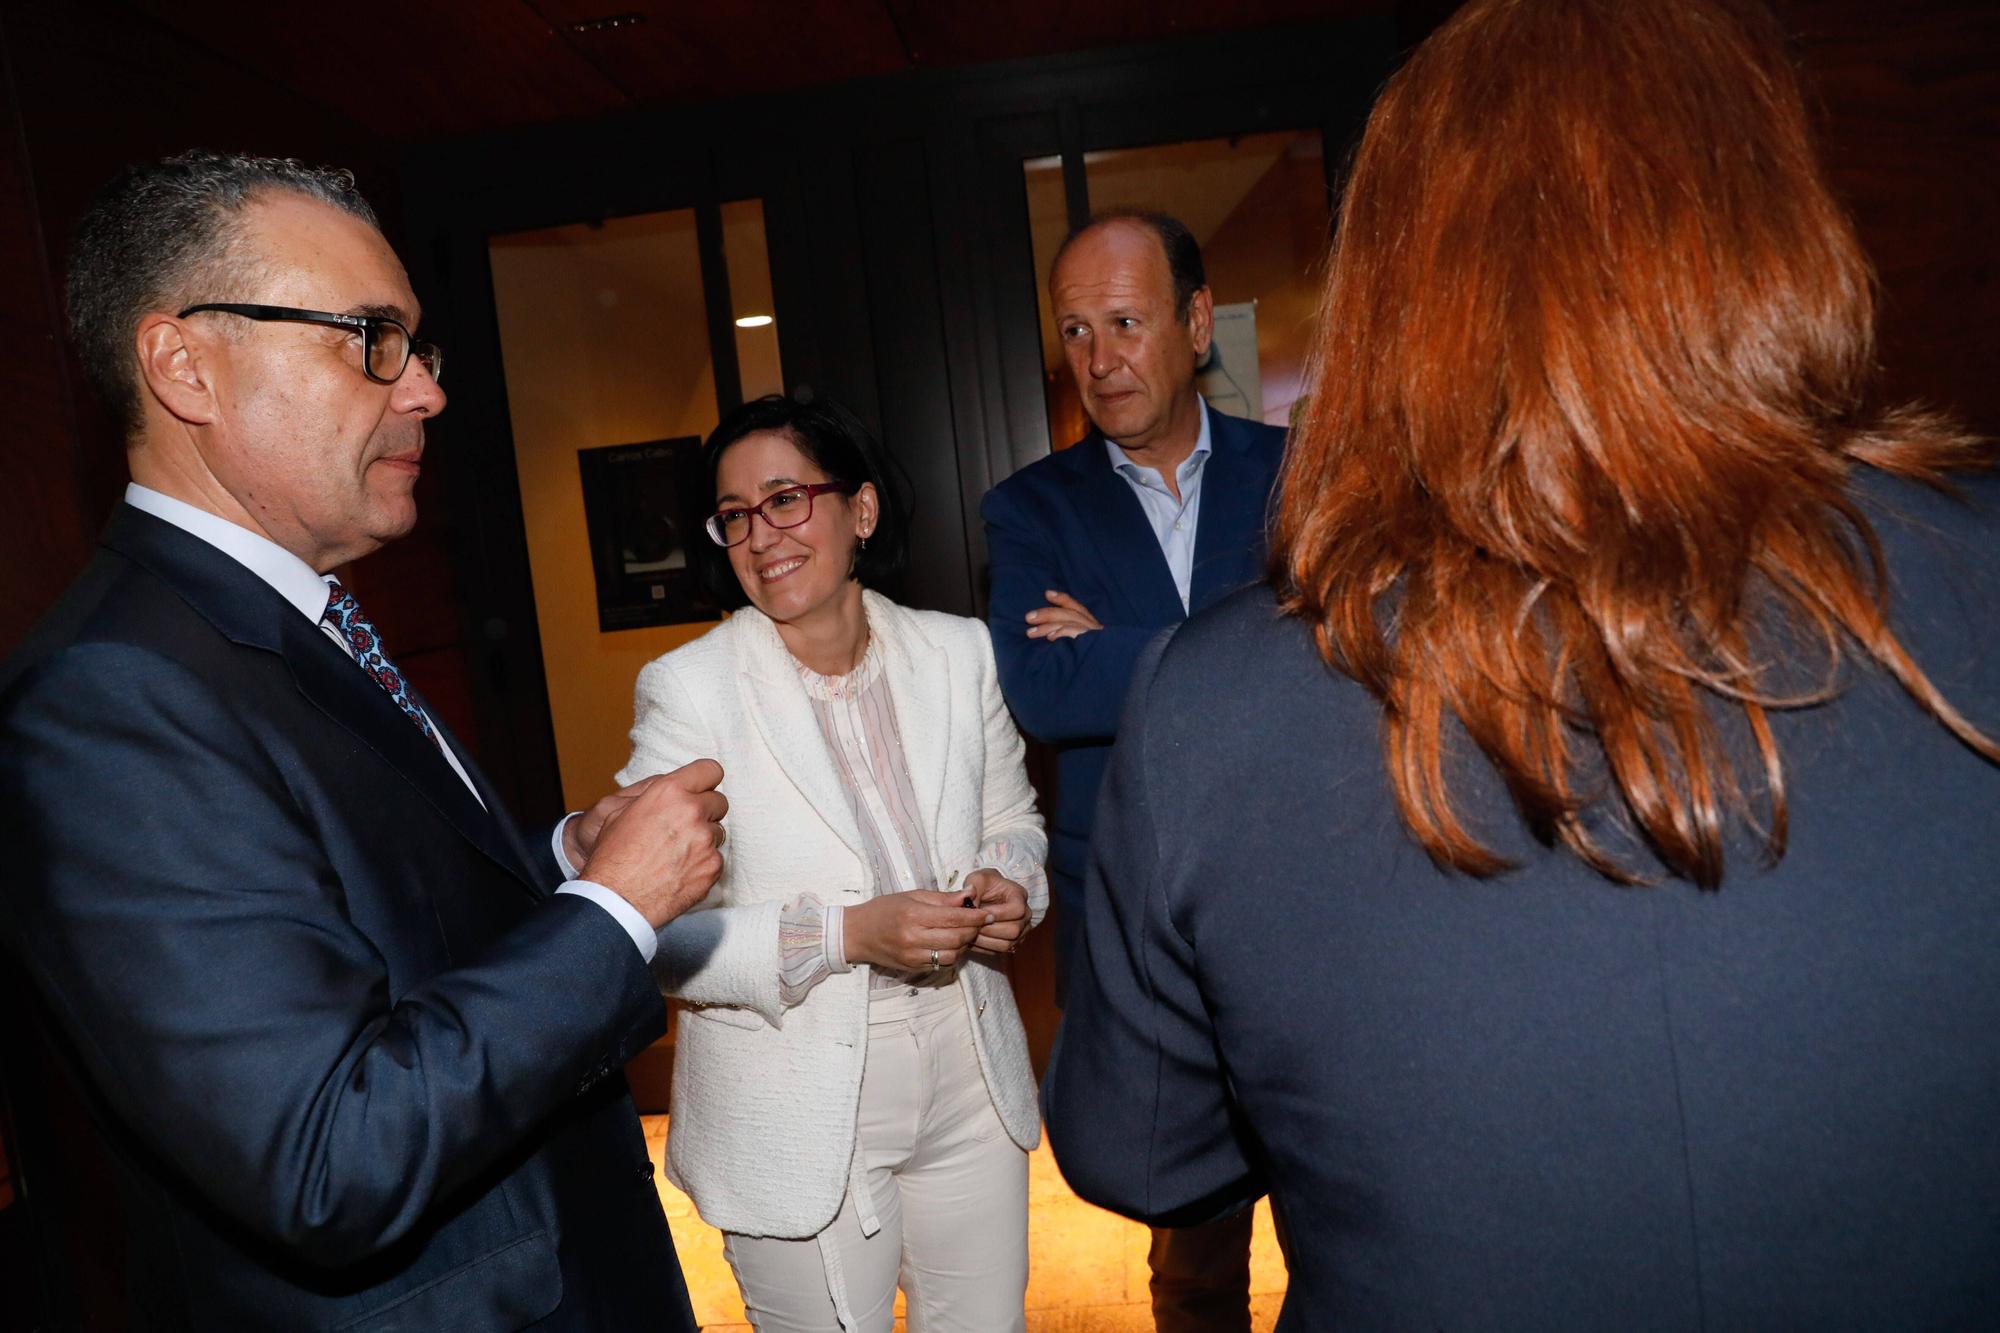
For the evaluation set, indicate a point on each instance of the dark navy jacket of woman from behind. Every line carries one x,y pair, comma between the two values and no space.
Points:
1543,1101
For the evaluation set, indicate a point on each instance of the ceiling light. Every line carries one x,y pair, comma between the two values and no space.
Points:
753,321
607,23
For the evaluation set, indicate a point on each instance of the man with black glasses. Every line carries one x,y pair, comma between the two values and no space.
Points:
348,1048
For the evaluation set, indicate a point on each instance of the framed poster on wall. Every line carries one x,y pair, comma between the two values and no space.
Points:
642,505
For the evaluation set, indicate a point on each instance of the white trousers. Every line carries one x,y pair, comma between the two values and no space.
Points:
949,1188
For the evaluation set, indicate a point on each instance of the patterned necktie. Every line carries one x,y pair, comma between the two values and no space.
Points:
346,616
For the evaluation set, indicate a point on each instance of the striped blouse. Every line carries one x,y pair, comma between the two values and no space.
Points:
857,718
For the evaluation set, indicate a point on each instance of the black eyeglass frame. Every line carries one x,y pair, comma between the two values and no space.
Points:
369,326
712,525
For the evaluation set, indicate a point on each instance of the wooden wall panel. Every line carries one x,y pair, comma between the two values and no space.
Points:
160,94
406,71
83,91
961,34
43,534
912,378
682,53
65,466
65,146
1910,96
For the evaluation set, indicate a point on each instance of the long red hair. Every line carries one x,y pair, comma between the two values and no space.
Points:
1594,364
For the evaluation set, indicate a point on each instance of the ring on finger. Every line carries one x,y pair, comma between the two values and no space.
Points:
934,960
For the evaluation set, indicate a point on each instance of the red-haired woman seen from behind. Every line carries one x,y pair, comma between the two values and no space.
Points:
1571,888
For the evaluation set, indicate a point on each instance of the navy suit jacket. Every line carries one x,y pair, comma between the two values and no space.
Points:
353,1062
1542,1101
1071,523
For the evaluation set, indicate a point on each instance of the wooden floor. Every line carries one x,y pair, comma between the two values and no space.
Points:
1086,1268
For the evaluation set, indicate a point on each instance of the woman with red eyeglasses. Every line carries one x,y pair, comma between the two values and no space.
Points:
852,1100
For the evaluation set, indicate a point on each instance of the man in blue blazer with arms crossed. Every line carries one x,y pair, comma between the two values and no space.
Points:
1157,512
351,1060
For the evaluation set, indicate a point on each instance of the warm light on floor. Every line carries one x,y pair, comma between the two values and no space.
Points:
1086,1268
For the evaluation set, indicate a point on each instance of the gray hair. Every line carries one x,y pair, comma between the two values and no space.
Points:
163,236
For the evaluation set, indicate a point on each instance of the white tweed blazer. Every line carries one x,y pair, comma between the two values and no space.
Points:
764,1097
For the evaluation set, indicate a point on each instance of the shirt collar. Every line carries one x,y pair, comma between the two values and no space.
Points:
1189,465
833,689
292,578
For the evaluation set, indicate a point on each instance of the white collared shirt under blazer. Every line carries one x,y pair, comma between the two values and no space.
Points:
765,1096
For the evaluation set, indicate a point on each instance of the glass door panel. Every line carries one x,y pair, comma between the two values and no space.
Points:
610,374
753,313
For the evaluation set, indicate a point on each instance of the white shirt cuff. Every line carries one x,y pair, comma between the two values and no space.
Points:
556,843
626,915
836,939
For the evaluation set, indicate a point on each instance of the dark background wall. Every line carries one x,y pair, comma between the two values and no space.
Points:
87,90
1910,95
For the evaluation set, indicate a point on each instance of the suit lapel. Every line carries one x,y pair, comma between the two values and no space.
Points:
250,612
332,683
918,674
776,701
1116,527
491,800
1235,495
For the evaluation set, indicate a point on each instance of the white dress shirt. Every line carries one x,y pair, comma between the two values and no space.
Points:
1173,521
298,583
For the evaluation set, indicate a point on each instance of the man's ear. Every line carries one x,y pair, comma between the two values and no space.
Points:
176,366
1201,321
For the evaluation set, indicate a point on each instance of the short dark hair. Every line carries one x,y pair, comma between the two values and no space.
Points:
162,236
836,443
1182,250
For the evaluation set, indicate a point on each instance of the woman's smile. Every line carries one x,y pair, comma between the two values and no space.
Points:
778,569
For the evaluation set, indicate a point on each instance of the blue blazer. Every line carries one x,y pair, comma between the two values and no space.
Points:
1542,1101
351,1062
1071,523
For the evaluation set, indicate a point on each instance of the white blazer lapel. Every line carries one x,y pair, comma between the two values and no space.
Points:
919,676
776,702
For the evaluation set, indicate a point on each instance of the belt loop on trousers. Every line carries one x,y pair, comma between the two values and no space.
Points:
857,1189
836,1279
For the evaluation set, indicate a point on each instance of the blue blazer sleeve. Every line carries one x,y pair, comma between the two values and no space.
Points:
1136,1100
1071,689
541,848
227,993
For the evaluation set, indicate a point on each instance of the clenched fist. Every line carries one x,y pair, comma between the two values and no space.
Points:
658,843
